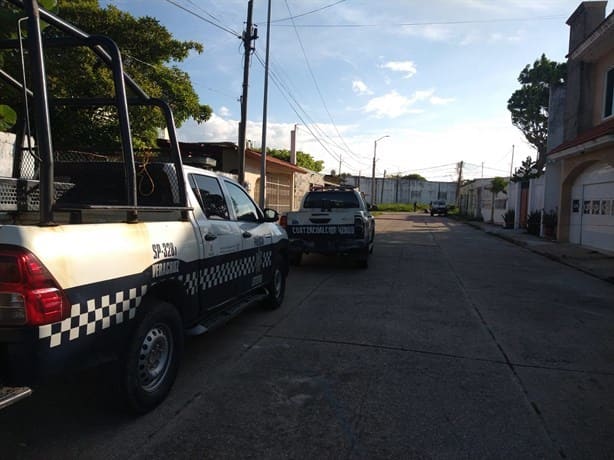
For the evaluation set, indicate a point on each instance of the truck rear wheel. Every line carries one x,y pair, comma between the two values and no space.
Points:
362,260
150,366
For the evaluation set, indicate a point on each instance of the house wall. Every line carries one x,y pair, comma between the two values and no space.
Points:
536,194
404,191
581,75
279,180
552,186
7,150
302,184
556,116
7,144
476,200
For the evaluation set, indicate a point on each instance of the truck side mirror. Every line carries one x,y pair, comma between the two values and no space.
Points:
270,215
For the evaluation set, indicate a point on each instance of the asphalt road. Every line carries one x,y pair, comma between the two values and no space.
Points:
452,344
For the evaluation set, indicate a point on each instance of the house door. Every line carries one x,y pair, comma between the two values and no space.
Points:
592,208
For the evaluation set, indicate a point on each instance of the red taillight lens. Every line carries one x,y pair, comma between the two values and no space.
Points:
359,228
283,221
28,292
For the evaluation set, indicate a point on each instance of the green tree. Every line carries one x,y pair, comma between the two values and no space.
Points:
497,185
8,117
150,55
414,177
528,170
304,160
529,104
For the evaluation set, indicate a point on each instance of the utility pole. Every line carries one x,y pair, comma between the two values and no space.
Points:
249,35
458,184
293,135
373,175
339,172
373,187
264,112
512,163
381,200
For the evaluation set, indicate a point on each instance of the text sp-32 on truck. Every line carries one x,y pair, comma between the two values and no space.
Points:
334,221
105,256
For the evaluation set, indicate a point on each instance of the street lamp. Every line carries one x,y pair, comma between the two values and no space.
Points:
373,172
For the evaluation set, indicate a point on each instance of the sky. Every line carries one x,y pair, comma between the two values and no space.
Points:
419,85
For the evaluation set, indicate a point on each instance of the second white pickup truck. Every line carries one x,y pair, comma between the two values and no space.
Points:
333,221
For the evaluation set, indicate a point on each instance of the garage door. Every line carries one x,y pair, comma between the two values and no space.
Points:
592,213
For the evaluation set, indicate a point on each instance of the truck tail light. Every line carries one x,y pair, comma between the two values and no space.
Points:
359,228
28,293
283,221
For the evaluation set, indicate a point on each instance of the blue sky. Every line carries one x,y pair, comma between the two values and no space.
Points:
433,76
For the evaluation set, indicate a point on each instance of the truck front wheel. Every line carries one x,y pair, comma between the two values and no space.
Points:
150,366
276,288
295,258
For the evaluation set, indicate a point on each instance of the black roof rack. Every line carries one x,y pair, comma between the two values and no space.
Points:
329,188
109,53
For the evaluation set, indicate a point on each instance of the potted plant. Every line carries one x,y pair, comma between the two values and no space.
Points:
533,222
550,220
508,218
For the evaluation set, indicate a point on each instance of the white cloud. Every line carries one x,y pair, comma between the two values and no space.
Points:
424,151
224,111
394,105
359,87
406,67
217,129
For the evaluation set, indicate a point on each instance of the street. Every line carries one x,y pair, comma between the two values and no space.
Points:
452,344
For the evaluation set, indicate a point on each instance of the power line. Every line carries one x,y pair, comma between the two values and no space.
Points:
312,127
193,13
486,167
213,17
315,82
317,10
429,23
279,85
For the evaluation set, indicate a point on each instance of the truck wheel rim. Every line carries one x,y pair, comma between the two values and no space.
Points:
154,357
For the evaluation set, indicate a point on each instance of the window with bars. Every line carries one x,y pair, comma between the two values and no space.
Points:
279,192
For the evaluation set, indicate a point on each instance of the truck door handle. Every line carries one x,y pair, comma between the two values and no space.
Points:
210,237
247,234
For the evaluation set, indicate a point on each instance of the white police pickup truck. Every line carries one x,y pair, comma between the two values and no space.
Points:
331,220
106,257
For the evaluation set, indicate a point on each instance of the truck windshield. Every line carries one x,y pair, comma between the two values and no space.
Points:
330,200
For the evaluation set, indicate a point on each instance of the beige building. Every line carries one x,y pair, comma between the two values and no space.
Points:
580,171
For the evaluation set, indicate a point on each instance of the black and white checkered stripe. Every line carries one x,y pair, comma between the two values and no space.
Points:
94,315
97,314
224,272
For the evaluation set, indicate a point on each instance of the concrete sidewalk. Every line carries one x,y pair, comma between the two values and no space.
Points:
595,263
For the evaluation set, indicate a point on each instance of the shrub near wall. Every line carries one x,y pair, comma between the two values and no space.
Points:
533,222
399,207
